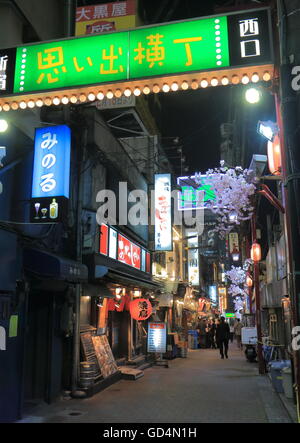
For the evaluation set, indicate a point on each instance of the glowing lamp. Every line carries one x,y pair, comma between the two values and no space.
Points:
233,216
140,309
249,282
256,252
274,156
235,254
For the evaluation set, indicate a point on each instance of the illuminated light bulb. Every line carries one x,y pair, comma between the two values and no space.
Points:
233,216
0,108
39,103
204,83
47,101
100,96
91,97
174,87
14,106
73,99
118,93
253,95
214,82
56,101
255,78
235,80
225,81
6,107
31,104
166,88
146,90
127,92
110,95
82,98
156,89
266,76
3,125
195,84
23,105
137,91
185,85
65,100
245,79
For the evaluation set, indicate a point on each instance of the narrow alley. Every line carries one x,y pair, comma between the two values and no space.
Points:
199,389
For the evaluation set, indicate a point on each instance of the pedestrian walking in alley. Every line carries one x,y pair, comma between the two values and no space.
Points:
231,327
238,333
223,334
213,329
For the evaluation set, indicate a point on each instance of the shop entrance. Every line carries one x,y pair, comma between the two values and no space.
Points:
46,349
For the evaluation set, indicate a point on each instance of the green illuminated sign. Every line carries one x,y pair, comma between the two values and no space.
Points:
189,194
229,315
154,51
206,44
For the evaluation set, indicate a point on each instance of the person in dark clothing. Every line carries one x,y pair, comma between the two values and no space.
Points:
213,334
223,334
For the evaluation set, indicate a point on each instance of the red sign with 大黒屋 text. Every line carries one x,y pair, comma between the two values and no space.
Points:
107,10
128,252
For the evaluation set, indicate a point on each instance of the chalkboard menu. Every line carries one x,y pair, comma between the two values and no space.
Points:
157,337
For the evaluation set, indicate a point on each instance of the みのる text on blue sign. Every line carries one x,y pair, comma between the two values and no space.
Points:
51,168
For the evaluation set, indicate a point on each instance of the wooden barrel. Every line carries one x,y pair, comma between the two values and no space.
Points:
87,374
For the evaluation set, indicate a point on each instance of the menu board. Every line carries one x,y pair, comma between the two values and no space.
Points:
157,337
104,356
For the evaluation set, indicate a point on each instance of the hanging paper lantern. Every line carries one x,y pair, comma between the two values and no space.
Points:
249,282
274,156
140,309
256,252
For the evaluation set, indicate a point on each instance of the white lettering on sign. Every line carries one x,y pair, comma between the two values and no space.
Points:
3,76
48,183
250,28
82,14
2,339
101,11
119,9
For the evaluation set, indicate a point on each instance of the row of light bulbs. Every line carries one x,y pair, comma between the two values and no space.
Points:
128,92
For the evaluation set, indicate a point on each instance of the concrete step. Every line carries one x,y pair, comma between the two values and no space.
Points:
129,373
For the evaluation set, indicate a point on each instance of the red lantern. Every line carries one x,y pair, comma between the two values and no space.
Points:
256,252
140,309
249,282
274,156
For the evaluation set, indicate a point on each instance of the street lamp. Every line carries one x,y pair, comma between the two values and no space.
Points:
235,254
252,96
3,125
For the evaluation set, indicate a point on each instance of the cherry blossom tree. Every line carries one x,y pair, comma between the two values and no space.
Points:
233,188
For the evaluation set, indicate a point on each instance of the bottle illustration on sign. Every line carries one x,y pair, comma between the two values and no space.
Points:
53,209
37,208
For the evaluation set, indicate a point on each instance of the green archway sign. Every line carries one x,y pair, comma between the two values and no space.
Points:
202,52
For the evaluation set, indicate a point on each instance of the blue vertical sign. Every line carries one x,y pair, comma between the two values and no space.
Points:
51,168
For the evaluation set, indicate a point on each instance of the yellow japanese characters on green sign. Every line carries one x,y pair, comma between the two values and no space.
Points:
161,50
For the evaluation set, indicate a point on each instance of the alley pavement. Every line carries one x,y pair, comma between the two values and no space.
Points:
199,389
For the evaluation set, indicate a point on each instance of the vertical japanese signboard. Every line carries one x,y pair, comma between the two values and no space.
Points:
163,215
51,173
7,68
107,17
157,337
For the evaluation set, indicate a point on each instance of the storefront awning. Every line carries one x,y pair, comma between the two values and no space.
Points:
43,264
119,277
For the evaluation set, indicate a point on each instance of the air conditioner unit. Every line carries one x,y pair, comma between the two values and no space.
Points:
226,130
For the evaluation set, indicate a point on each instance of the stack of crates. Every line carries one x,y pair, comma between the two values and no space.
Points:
193,339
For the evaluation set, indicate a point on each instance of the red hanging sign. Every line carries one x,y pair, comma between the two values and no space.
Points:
140,309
